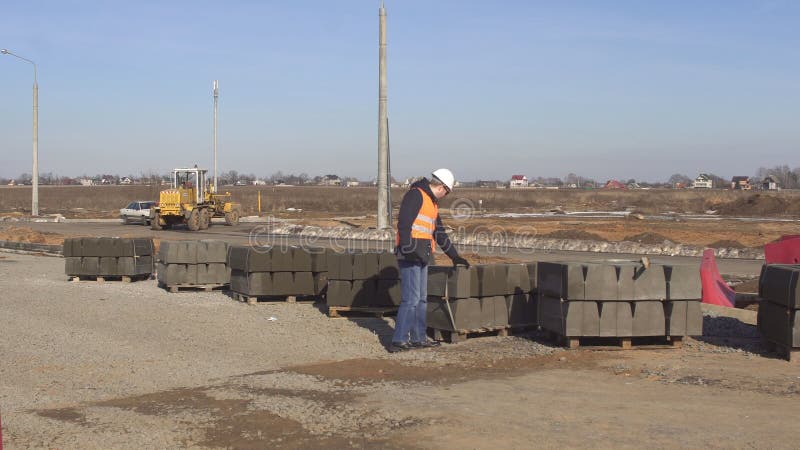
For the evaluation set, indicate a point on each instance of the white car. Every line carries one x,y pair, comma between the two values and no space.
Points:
138,212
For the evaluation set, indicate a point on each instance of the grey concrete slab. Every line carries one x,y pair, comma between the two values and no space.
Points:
499,310
320,282
616,319
282,259
590,319
365,265
694,318
388,293
387,266
177,274
282,283
340,266
560,316
778,284
561,280
319,259
211,251
456,282
492,280
364,292
778,323
108,266
303,283
301,259
648,319
249,259
213,273
533,275
72,265
178,252
133,247
90,265
256,283
683,282
601,281
72,247
466,312
676,313
517,279
648,284
521,309
340,293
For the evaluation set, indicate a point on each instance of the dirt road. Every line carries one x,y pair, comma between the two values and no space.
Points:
86,365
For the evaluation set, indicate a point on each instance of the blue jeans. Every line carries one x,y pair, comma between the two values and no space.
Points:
412,315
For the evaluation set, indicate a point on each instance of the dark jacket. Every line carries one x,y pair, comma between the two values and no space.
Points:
419,250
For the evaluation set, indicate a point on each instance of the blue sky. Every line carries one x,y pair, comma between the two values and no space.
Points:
605,89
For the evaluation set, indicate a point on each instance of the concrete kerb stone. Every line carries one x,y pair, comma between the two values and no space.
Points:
779,284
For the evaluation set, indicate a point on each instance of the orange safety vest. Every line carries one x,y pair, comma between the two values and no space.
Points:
424,224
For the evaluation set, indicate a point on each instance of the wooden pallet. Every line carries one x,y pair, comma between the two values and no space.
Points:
104,278
616,343
791,354
454,337
254,299
192,287
361,311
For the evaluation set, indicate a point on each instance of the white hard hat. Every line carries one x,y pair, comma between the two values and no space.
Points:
446,177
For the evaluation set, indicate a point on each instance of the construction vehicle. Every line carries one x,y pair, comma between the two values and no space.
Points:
193,202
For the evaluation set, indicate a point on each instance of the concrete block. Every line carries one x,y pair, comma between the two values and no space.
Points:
176,274
90,265
178,252
561,280
778,284
521,309
320,283
456,282
387,266
97,247
616,319
683,282
210,251
694,318
778,323
212,273
340,266
71,247
492,280
676,313
638,283
340,293
72,265
282,283
590,319
364,292
303,283
108,266
387,293
517,279
132,247
282,259
466,312
365,265
648,319
256,283
601,282
301,259
249,259
560,316
533,274
319,259
495,311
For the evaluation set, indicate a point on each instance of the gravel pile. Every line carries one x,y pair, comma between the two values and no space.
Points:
728,335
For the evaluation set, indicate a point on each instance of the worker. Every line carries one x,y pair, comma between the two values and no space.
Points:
419,230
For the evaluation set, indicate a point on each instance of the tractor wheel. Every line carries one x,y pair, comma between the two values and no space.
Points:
155,223
232,218
205,219
194,220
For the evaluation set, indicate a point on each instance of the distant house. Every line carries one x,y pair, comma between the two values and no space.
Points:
352,183
86,182
259,183
331,180
741,183
703,181
770,183
614,184
518,181
125,180
488,184
633,185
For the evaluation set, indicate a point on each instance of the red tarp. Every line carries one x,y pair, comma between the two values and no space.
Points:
715,290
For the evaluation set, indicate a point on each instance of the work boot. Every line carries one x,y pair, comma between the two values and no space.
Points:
426,344
397,347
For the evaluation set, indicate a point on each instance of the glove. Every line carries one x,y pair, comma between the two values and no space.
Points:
459,261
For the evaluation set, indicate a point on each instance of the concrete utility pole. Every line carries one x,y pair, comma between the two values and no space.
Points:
216,101
35,174
384,207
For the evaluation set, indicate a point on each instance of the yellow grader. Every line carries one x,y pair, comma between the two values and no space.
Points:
190,201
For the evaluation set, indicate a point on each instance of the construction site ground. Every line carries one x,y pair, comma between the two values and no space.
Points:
128,365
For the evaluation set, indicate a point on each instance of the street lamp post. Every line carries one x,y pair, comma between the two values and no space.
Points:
35,174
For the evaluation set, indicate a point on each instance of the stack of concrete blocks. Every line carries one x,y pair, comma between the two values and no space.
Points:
619,299
483,297
778,318
280,272
363,280
101,258
193,264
